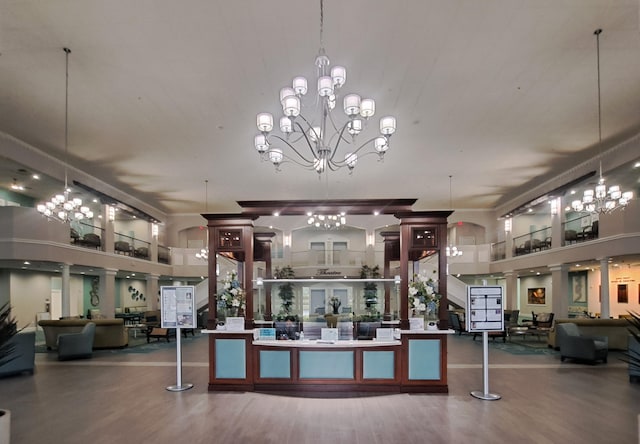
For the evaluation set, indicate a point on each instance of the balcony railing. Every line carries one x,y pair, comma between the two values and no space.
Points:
580,229
531,242
498,251
87,236
131,246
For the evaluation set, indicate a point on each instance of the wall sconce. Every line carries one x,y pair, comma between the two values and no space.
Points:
555,204
287,240
507,225
154,230
111,212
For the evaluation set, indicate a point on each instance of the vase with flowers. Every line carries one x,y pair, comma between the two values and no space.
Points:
424,299
231,300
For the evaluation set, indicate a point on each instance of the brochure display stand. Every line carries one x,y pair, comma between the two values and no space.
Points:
178,310
485,313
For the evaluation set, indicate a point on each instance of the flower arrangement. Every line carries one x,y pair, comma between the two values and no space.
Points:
423,295
335,304
232,295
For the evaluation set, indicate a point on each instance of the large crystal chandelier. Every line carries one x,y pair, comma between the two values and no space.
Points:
312,131
61,207
600,200
327,221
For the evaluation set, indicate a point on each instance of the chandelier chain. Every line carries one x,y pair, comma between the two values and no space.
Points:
66,118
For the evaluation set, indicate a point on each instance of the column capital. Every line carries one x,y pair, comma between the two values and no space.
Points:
558,267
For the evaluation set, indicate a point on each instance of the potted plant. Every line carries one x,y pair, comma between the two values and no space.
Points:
370,294
8,328
285,293
632,356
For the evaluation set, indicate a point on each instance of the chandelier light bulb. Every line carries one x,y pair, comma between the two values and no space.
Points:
286,92
352,104
265,122
367,108
291,107
286,126
338,76
388,125
300,85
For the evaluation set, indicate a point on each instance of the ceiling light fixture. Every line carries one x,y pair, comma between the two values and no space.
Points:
315,141
61,207
204,252
451,249
328,222
601,200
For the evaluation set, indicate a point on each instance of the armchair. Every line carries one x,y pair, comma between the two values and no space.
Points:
576,346
77,345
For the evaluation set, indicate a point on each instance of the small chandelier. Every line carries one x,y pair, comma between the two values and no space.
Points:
314,142
61,207
204,252
328,222
452,250
600,200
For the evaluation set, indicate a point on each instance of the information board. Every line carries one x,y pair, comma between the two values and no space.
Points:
485,310
178,307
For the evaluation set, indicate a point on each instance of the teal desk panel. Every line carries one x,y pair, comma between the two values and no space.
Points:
327,365
424,359
378,365
275,364
231,359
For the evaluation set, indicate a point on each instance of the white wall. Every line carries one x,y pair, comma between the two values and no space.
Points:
542,281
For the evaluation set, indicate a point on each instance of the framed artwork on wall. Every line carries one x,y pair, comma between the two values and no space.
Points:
536,296
578,287
623,295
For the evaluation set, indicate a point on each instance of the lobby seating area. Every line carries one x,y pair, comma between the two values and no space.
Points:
615,330
576,346
76,345
109,333
22,358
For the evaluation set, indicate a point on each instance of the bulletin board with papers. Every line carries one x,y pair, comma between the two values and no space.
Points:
485,308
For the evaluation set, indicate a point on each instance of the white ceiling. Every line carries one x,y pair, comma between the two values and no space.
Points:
163,94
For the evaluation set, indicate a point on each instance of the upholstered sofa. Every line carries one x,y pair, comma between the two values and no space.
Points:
23,355
616,330
110,333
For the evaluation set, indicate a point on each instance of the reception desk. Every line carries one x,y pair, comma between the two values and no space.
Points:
414,363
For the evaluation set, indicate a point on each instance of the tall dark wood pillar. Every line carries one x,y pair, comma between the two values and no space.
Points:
391,253
423,233
262,253
231,235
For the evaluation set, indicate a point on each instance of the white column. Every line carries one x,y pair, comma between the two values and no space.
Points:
107,292
560,290
66,291
556,226
152,291
511,280
604,288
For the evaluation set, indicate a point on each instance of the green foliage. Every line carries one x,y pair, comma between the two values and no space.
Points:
8,328
285,293
370,292
632,357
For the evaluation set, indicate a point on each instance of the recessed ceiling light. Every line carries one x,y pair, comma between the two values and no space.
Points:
573,191
27,263
636,165
376,213
36,177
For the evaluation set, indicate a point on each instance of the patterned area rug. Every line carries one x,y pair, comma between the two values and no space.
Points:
519,346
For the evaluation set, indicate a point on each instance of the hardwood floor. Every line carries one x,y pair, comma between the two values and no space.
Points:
122,398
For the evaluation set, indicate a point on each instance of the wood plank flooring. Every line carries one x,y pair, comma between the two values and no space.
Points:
118,398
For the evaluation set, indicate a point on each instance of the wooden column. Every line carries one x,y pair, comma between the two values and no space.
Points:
231,235
423,233
391,253
262,253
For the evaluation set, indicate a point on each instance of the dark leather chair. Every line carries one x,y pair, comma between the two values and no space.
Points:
573,345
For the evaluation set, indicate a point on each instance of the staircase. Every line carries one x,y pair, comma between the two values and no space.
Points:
456,292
